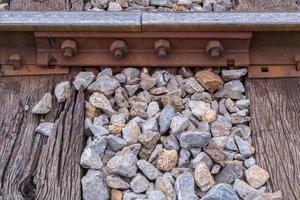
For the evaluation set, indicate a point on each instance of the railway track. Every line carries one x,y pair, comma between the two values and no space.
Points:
59,44
268,43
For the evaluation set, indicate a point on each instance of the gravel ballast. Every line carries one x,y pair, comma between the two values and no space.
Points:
165,134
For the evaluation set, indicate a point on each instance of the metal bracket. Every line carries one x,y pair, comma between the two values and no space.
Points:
273,71
26,70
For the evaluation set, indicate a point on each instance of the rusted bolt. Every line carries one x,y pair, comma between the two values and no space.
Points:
119,48
214,49
162,48
16,61
69,48
297,62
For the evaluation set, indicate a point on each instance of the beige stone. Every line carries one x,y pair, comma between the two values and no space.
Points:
209,115
164,185
91,111
256,176
209,80
116,194
116,128
203,177
167,159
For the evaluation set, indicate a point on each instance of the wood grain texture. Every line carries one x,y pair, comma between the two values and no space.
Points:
46,5
33,166
266,5
275,125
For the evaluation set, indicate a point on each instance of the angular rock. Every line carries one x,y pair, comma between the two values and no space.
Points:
139,184
243,146
164,185
167,159
150,125
123,164
45,128
121,98
256,176
209,115
149,139
218,142
102,120
100,101
115,143
209,80
230,145
157,195
132,89
98,145
131,132
165,118
203,178
155,153
170,142
93,187
202,157
116,182
184,187
62,91
179,124
147,82
244,190
139,109
91,111
221,191
114,7
153,109
202,96
198,108
236,118
131,73
173,99
220,128
159,91
98,131
116,194
230,173
159,2
132,195
232,89
90,159
215,169
191,86
184,156
104,84
217,155
228,75
83,80
243,103
44,105
148,169
194,139
249,162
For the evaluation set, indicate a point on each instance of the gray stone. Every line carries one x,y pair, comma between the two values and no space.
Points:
150,125
133,196
244,190
202,157
185,72
45,128
165,118
243,103
231,144
131,73
186,3
116,182
202,96
98,131
203,126
139,184
100,101
138,109
131,132
198,108
232,89
230,173
157,195
149,139
114,6
105,71
116,143
90,159
221,191
123,163
164,185
159,90
249,162
121,98
169,176
228,75
155,153
243,146
183,160
102,4
83,80
219,8
184,187
230,105
121,78
148,169
220,128
179,124
203,177
132,89
153,109
170,142
191,85
44,105
62,91
141,3
93,187
98,145
219,142
119,118
159,2
161,77
105,84
215,169
173,99
194,139
102,120
147,82
134,148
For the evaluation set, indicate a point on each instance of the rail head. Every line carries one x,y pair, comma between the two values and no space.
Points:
149,21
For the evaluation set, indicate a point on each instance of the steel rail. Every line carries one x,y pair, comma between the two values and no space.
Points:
149,21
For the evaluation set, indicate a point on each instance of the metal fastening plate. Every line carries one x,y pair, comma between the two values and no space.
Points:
273,71
26,70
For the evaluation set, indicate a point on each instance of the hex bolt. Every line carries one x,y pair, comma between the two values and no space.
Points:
162,48
69,48
16,61
118,49
214,49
